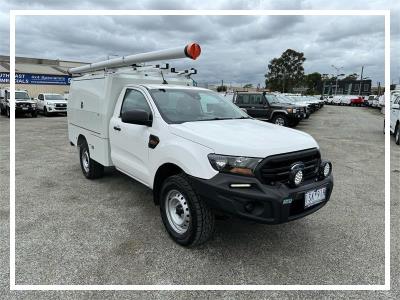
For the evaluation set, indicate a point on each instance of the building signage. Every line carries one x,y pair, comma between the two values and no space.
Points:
27,78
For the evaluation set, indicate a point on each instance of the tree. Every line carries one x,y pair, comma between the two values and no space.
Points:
285,72
313,82
248,85
353,76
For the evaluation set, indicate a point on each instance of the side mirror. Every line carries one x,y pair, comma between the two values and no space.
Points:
137,116
396,106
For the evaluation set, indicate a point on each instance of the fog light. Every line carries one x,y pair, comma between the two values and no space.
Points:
296,174
249,207
298,178
325,169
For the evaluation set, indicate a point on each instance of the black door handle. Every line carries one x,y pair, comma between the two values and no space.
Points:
117,128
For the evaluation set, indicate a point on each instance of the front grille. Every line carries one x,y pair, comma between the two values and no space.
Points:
61,105
276,168
23,105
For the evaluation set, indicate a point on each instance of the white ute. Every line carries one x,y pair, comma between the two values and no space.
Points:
50,103
200,154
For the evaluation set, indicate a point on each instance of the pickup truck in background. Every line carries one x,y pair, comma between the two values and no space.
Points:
50,104
267,107
23,103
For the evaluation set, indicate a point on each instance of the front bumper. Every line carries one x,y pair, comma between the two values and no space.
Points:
271,204
54,109
297,116
25,110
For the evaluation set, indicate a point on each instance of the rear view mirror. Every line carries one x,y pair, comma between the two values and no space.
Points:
396,106
137,116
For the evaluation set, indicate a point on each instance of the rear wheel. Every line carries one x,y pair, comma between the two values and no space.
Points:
280,120
90,168
8,112
186,217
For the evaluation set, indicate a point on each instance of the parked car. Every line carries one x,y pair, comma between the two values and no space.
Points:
285,99
337,100
369,100
23,103
200,154
395,117
267,107
49,103
356,101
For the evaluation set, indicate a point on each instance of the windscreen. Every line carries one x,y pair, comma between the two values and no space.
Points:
184,105
20,95
54,97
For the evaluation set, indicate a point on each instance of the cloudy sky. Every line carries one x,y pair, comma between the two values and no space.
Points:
234,49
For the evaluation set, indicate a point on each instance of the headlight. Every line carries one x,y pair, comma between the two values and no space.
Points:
234,164
33,105
291,110
50,104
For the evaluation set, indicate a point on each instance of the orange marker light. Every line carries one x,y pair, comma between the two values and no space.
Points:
193,50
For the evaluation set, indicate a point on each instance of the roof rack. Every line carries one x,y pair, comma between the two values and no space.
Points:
192,51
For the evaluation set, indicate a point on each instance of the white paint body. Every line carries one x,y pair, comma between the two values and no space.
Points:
53,106
394,110
94,110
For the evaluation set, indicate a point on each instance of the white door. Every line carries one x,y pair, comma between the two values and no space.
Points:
394,112
129,142
40,101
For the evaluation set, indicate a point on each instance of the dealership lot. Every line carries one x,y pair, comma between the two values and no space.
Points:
70,230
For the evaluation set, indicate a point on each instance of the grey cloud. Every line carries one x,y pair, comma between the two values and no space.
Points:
236,49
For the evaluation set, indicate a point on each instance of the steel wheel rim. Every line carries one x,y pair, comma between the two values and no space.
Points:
280,121
177,211
85,160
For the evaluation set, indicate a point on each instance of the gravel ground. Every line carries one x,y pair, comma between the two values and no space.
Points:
70,230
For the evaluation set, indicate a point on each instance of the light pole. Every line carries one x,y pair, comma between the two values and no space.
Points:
324,76
337,75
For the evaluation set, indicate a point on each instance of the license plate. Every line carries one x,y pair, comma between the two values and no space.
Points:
314,197
25,108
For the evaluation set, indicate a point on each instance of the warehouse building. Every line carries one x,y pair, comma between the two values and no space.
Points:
37,75
347,87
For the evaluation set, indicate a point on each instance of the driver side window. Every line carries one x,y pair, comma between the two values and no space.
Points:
134,100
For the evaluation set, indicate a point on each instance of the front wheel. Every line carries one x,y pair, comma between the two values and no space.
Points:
8,112
397,135
34,114
186,217
280,120
90,168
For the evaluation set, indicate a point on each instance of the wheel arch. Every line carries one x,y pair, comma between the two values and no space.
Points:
163,172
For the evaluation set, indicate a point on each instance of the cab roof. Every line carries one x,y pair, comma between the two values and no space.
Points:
153,86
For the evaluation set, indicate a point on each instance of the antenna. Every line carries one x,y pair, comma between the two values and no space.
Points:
191,50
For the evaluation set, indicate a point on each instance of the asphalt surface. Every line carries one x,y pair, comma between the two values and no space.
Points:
70,230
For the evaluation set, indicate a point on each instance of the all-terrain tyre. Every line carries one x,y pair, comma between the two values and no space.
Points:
280,119
90,168
186,217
